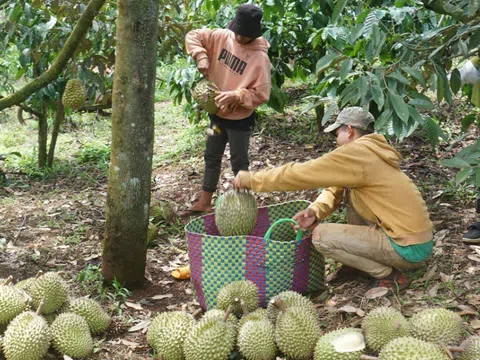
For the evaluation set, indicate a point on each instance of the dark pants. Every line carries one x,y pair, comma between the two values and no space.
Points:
238,140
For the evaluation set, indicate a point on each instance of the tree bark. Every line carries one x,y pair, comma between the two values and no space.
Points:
42,137
59,118
60,62
438,6
128,198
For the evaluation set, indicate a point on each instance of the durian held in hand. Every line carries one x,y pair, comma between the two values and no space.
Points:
236,213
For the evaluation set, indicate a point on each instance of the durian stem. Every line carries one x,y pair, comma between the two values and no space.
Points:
447,351
9,280
40,306
367,357
228,312
244,307
39,273
196,313
456,349
279,304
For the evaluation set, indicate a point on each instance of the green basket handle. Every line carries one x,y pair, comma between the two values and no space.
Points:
270,229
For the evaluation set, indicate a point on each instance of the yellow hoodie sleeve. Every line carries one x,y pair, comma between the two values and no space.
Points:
199,42
343,167
327,202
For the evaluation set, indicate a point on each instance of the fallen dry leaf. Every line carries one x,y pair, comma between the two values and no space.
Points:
134,305
140,326
475,324
434,290
376,292
130,344
161,297
66,357
348,309
474,258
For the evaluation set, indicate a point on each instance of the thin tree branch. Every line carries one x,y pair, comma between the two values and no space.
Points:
60,62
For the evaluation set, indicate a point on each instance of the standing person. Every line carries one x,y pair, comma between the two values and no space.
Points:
389,225
236,60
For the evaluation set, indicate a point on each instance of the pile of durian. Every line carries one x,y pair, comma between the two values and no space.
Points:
290,328
37,313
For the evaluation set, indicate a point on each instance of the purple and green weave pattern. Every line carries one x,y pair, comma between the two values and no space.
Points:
282,264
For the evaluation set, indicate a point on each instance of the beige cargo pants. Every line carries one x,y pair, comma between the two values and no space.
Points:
360,245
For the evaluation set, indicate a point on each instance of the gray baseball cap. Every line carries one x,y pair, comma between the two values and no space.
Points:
354,116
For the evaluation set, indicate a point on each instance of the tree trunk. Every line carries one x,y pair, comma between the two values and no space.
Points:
59,118
42,137
128,198
319,114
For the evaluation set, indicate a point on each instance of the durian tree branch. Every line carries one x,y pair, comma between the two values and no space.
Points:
78,33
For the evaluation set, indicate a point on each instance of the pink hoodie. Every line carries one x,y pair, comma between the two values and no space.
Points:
245,68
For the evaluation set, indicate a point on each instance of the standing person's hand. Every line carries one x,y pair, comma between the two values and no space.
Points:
305,218
237,182
203,66
226,98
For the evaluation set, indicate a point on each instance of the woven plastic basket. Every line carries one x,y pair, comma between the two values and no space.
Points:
273,256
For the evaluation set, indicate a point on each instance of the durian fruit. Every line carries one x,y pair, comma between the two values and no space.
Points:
296,331
12,303
25,284
6,281
290,298
211,338
471,349
52,288
258,315
166,334
74,95
256,340
409,348
344,344
204,94
50,318
71,336
27,337
234,293
97,318
220,314
236,213
382,325
437,325
152,233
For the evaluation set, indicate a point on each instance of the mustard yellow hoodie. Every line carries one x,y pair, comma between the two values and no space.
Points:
233,66
381,193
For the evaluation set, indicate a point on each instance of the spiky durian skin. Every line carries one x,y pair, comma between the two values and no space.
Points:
204,95
297,332
27,337
437,325
12,303
52,288
97,318
257,315
409,348
256,340
211,339
472,349
25,284
166,334
71,336
244,290
324,350
382,325
220,314
236,213
291,299
74,95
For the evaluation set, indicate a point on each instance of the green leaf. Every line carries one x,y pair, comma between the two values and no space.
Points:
415,115
398,76
357,31
455,162
416,74
345,69
477,182
426,104
400,107
400,3
383,120
377,95
467,121
328,113
455,81
432,130
339,6
325,61
462,175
